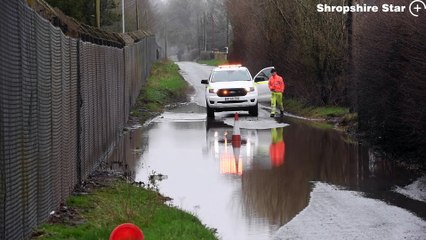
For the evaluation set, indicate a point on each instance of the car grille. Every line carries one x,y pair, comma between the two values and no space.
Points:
232,92
235,101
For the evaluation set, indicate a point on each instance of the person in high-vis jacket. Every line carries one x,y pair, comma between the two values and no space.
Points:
277,86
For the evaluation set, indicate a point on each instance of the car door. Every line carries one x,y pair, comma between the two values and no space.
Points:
261,80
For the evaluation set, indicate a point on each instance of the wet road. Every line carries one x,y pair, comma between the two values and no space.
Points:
287,180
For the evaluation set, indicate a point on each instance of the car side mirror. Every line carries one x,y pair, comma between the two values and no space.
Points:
259,79
204,81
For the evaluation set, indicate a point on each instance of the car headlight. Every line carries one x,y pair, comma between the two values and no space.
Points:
213,90
250,89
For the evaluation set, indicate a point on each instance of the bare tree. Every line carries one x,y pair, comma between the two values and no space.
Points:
309,46
390,72
191,24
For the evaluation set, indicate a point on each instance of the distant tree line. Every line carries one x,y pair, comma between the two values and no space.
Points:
389,67
309,48
191,25
373,63
181,26
138,13
84,10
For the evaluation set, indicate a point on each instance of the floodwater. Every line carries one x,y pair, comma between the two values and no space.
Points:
252,190
284,180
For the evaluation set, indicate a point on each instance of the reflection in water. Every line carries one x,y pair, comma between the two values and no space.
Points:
273,196
230,163
278,194
311,154
233,157
127,153
249,191
277,148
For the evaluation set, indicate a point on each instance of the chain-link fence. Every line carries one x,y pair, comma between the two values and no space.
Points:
63,105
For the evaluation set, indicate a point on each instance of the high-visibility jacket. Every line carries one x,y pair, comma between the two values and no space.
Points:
277,147
277,153
276,83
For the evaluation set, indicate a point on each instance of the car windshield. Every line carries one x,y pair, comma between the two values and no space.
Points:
230,76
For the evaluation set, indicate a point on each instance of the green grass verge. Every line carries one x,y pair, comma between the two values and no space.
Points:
107,207
164,86
333,115
213,62
299,108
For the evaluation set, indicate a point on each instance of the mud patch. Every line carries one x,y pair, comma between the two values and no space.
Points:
66,215
70,216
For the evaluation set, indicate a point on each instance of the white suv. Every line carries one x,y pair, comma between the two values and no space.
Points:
230,87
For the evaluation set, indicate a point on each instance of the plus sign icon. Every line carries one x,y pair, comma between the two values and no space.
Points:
416,7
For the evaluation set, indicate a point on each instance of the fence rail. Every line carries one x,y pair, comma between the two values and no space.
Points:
63,105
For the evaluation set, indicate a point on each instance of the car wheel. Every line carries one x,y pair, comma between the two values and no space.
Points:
210,111
254,111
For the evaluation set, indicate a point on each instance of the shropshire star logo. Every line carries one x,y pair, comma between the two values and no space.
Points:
416,7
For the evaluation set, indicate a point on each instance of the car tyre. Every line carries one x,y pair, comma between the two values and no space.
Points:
210,111
254,111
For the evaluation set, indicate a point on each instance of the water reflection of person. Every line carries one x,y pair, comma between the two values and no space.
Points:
277,147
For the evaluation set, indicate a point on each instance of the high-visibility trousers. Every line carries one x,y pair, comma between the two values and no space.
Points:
277,99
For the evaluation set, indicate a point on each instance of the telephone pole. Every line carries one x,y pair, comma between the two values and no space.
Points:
137,15
98,13
204,32
165,39
122,15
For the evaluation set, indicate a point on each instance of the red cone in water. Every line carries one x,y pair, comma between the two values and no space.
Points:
236,144
126,231
236,137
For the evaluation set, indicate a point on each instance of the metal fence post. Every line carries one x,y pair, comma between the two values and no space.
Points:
79,105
